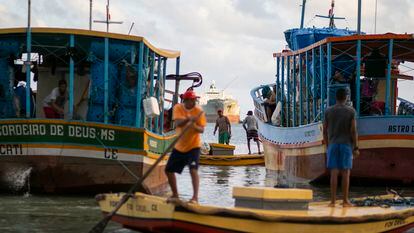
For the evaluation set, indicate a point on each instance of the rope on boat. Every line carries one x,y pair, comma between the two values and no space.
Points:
397,200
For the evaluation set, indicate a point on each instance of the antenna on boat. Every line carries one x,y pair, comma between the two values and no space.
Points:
130,29
375,20
302,19
90,14
108,18
331,15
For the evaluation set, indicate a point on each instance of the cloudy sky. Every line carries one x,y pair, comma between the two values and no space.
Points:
224,40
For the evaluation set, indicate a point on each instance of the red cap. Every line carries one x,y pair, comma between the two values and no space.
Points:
189,95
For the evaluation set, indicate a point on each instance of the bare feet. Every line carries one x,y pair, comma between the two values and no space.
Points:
332,204
347,204
173,199
193,201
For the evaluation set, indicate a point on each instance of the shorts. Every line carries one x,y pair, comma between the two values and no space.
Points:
224,138
339,156
178,160
252,134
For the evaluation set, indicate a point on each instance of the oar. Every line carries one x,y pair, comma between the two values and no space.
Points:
100,226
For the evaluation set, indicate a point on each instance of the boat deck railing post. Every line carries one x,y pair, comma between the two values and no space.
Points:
164,75
140,77
322,81
71,77
307,88
28,59
282,93
300,91
328,70
358,78
159,80
294,91
314,99
277,79
106,81
388,80
288,91
151,88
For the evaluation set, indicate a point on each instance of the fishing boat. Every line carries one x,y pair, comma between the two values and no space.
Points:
110,132
215,99
319,62
232,160
258,210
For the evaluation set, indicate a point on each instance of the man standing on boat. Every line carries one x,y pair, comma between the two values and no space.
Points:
187,150
250,125
340,135
53,104
224,127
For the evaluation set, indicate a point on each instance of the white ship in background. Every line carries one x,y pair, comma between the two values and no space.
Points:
214,99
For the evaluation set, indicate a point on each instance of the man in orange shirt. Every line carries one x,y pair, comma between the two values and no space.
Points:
187,150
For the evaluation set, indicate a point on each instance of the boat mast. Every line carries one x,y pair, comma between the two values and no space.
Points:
90,14
28,58
108,18
331,15
302,19
359,18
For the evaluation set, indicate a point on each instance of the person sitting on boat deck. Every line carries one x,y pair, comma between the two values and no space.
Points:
340,136
53,104
270,103
187,150
250,125
224,127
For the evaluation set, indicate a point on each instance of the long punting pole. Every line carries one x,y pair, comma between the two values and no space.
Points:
302,18
388,80
28,60
359,18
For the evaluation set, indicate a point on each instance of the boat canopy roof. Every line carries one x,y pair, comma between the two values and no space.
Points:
403,45
86,33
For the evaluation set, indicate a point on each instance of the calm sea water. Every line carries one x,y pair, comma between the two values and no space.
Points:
41,213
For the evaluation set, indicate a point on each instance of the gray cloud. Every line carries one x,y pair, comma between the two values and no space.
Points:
222,39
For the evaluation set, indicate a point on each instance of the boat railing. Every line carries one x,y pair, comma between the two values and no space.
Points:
107,76
258,101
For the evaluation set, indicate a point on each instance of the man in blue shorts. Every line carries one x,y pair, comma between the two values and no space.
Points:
186,151
341,138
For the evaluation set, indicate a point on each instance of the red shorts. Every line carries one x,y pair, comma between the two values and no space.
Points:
51,113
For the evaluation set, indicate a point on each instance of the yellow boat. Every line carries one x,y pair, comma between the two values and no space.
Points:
232,160
148,213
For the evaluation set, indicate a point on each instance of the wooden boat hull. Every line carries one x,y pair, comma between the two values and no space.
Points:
153,214
78,163
232,160
384,157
